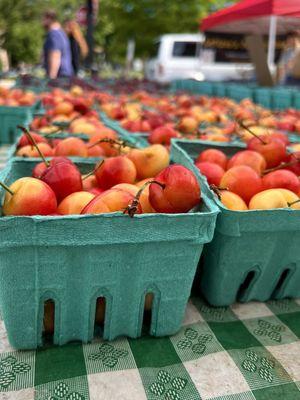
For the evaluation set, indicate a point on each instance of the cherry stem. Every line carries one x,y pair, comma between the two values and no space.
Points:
93,171
57,130
199,132
294,202
281,165
120,143
294,156
242,125
5,187
132,208
68,123
217,190
31,138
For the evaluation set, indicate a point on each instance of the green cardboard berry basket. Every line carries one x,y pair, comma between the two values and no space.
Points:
263,96
296,99
254,254
239,92
131,137
182,84
11,117
30,88
64,134
193,86
204,88
13,149
136,142
220,89
74,260
282,98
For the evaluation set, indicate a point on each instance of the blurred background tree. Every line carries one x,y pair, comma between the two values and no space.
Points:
146,20
21,33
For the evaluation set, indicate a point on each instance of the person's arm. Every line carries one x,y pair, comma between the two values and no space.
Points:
78,36
54,60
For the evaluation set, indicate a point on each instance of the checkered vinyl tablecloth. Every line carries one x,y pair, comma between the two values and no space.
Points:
3,155
244,352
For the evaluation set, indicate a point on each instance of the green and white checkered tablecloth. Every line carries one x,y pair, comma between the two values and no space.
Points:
3,155
248,351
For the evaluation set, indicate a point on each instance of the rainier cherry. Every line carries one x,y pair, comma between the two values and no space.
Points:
294,161
282,179
115,170
268,199
214,156
109,201
213,172
163,135
150,160
29,196
271,148
63,177
243,181
74,203
252,159
282,136
232,201
24,140
178,192
31,151
41,167
71,147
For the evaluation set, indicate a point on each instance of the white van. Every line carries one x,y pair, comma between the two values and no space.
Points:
181,56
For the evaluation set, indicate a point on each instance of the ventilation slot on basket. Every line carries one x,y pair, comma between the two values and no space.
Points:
99,316
281,281
245,285
147,317
49,321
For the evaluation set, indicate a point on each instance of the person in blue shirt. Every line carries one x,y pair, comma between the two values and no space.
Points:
57,52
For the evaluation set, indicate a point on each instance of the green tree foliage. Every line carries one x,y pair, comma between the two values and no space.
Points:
145,20
21,33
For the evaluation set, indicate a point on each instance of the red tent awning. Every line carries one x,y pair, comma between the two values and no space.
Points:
253,16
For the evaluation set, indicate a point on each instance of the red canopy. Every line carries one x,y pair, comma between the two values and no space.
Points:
253,16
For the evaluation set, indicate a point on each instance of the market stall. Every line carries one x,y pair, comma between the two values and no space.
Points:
266,17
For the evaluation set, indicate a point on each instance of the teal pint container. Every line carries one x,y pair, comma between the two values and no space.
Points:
296,99
136,141
74,260
282,98
11,117
264,97
131,137
220,89
255,254
239,92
